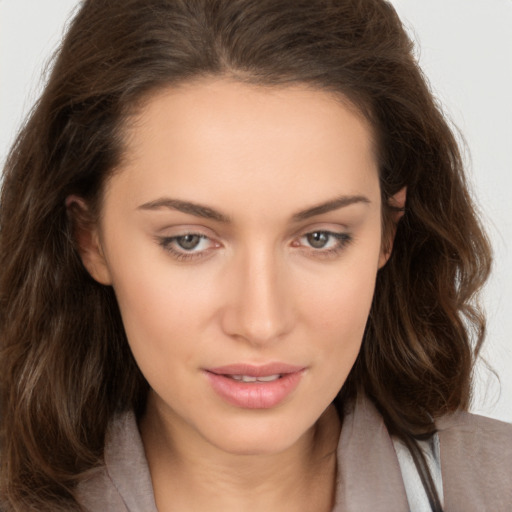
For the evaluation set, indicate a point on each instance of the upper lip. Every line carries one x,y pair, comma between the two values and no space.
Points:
252,370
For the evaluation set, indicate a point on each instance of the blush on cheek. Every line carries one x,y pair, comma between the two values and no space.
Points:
346,301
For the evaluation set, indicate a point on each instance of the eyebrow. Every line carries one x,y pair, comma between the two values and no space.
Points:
195,209
206,212
329,206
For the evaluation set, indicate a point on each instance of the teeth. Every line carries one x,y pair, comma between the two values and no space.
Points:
269,378
248,378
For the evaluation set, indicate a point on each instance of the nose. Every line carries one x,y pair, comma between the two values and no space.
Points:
260,302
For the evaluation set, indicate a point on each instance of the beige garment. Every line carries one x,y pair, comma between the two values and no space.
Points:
476,462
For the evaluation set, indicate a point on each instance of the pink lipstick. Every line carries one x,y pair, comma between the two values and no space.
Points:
255,387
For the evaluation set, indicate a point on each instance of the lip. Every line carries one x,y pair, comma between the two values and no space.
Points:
254,370
257,395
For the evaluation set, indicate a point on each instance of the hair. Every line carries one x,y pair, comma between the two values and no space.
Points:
66,365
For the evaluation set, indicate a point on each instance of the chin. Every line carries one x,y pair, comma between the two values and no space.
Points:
256,437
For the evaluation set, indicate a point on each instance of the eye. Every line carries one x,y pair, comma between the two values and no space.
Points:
324,243
189,242
318,239
188,245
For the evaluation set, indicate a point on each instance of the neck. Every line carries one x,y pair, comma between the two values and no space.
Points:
188,474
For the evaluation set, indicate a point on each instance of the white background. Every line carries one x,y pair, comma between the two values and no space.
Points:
465,48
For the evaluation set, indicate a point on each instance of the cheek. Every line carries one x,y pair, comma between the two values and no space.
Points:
166,310
341,298
337,312
345,305
337,326
144,296
160,329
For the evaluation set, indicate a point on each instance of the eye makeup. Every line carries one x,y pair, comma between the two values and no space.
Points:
191,246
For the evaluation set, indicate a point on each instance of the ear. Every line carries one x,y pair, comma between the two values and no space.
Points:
87,239
396,205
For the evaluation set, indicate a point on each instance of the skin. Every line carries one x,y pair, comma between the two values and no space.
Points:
257,288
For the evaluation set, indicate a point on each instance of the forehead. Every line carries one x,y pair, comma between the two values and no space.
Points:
216,140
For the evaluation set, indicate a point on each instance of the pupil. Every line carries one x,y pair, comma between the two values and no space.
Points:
318,239
188,242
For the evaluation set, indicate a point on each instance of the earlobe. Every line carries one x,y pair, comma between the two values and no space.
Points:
396,203
87,239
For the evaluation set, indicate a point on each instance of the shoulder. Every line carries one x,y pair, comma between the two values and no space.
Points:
476,461
476,436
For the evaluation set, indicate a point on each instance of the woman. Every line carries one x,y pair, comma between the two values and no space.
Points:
239,263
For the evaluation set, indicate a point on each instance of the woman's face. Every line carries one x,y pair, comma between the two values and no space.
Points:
242,237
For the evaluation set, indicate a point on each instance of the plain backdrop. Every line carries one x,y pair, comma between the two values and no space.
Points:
465,49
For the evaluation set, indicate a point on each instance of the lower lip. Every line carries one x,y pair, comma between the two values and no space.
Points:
254,395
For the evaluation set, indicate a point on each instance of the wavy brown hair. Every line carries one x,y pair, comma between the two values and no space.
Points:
66,368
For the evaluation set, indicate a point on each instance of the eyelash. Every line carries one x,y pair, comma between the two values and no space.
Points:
342,240
183,254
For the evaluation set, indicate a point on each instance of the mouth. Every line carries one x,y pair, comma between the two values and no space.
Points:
250,379
255,387
271,371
